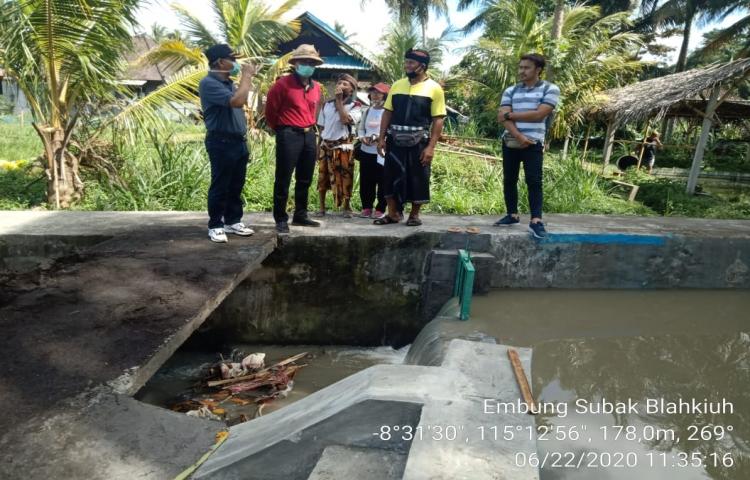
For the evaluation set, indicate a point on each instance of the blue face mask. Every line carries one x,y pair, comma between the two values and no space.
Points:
235,69
305,70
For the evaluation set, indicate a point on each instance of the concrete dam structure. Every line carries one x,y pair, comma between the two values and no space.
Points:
92,307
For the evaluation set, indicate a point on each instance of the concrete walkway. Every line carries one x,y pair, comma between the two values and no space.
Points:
98,324
109,223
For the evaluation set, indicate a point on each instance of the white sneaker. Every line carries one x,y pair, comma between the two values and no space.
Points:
239,229
217,235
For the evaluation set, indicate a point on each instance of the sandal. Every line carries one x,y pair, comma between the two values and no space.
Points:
455,229
385,221
413,222
473,230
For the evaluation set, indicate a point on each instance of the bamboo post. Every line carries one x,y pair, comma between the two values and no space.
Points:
608,141
643,144
586,144
523,383
701,147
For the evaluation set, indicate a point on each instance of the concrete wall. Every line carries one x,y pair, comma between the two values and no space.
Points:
329,290
372,290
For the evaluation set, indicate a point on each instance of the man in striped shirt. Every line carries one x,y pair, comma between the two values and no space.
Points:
524,109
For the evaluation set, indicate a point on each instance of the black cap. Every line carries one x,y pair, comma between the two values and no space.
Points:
221,50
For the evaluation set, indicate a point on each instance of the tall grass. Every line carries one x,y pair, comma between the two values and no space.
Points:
471,185
18,143
172,173
22,181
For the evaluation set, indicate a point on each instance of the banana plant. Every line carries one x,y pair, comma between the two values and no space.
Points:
65,55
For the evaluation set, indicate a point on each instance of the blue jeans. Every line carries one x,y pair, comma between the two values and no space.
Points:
531,157
228,168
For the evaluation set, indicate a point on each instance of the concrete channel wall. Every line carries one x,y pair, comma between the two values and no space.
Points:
314,288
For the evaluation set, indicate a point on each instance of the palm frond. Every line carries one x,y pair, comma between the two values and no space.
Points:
175,54
740,27
198,32
148,112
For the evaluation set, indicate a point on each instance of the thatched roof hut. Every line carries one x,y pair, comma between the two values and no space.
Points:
701,92
668,95
144,77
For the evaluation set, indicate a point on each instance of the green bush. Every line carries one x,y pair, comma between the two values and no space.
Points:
172,173
669,198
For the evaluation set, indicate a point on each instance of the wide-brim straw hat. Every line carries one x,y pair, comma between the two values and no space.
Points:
306,52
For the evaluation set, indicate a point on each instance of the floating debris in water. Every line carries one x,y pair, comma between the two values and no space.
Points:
243,380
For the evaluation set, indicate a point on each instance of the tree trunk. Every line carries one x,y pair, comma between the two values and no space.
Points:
557,24
682,57
64,186
557,20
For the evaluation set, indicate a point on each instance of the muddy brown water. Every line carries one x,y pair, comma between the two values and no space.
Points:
644,347
592,349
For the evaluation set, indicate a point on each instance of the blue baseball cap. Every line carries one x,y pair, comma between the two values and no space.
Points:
222,50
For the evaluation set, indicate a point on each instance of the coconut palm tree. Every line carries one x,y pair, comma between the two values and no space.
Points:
399,38
592,54
684,14
250,27
65,55
737,34
408,10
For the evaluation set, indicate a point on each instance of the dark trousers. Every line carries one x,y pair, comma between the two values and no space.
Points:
296,152
404,176
531,157
228,168
371,181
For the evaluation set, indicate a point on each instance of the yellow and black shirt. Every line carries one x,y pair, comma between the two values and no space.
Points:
415,105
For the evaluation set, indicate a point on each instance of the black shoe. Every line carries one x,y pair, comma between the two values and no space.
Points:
537,230
305,222
506,220
282,227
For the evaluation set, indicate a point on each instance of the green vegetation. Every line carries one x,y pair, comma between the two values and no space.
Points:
592,55
173,174
65,56
133,157
668,197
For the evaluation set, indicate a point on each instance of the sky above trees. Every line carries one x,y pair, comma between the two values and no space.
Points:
369,22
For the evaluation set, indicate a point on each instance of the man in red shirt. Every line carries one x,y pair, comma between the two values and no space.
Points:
291,108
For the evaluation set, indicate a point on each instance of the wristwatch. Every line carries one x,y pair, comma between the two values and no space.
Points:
506,116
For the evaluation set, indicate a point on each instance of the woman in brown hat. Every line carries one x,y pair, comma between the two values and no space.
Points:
371,164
